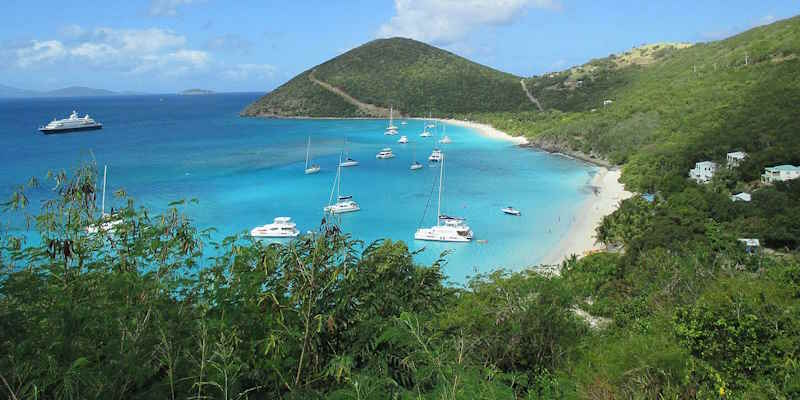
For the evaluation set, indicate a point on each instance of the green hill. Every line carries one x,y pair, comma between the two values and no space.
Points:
682,105
414,77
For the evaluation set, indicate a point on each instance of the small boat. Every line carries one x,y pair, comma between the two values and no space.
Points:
404,123
344,204
390,132
511,211
348,162
436,156
403,139
107,221
415,166
385,153
425,133
313,168
281,227
447,229
445,140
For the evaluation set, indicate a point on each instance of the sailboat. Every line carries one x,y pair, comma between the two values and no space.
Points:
314,168
416,164
344,203
445,139
348,162
391,129
430,124
447,229
107,221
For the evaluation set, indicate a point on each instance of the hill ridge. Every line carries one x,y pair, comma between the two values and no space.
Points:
366,108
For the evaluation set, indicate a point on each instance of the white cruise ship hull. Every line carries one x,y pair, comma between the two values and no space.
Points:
49,131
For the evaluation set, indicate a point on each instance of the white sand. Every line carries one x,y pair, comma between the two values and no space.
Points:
581,237
486,130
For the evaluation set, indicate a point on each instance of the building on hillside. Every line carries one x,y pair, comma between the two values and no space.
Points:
780,173
751,246
703,171
736,158
607,102
742,197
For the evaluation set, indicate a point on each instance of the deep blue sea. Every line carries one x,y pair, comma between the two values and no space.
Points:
245,171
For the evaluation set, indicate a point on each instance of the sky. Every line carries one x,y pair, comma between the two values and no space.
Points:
164,46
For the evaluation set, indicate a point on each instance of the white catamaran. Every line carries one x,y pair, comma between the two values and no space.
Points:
344,204
314,168
447,229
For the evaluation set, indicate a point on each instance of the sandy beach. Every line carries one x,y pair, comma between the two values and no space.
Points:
581,237
486,130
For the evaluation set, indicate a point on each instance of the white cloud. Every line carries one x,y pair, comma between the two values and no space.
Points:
167,8
447,21
95,52
139,41
39,52
244,72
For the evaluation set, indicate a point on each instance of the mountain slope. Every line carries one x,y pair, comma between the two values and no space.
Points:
683,105
8,91
414,77
72,91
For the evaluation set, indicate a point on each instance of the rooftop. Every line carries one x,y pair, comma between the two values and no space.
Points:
784,167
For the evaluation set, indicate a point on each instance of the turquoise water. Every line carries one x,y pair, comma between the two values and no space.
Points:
247,171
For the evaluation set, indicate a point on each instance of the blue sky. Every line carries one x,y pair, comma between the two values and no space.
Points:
163,46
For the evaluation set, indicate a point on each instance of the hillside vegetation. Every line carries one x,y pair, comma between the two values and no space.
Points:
414,77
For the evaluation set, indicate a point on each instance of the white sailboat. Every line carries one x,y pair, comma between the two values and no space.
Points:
403,139
445,139
430,124
391,126
447,229
314,168
107,221
344,203
348,162
415,165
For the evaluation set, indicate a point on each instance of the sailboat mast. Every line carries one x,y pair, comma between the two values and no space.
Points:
103,202
439,207
339,181
308,150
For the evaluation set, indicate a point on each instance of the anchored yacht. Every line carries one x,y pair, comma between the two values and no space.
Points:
344,204
71,124
313,168
107,222
385,153
403,139
281,227
447,229
348,162
436,156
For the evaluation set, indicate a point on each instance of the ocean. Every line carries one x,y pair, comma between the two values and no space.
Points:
246,171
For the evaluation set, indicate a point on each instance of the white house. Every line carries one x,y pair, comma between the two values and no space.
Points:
742,197
703,171
607,102
780,173
736,158
751,246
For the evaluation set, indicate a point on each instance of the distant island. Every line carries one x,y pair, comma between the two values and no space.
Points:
196,92
71,91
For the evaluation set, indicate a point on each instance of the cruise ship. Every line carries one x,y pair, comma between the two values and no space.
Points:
73,123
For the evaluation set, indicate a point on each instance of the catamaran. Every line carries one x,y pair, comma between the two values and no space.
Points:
447,229
107,221
281,227
403,139
314,168
436,156
348,162
344,203
385,153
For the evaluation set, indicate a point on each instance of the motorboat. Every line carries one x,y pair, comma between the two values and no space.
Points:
511,211
425,133
385,153
445,140
403,139
281,227
415,166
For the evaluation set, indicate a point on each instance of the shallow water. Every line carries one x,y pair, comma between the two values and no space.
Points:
247,171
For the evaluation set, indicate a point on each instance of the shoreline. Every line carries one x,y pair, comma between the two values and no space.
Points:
581,238
485,130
